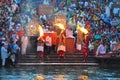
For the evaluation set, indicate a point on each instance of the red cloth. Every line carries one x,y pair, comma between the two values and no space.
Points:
41,40
53,1
61,53
85,50
7,2
52,35
40,54
94,52
87,25
20,33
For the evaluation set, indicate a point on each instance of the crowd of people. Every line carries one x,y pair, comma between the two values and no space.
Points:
101,21
10,31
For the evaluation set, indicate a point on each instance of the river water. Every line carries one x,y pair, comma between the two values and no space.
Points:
49,72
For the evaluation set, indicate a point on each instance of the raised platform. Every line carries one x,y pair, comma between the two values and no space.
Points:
108,60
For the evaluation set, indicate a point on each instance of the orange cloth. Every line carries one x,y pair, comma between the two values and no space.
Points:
52,35
20,33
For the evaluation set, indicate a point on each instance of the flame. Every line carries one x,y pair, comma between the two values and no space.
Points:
61,26
41,33
82,29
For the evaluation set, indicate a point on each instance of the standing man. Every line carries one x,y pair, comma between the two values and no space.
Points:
107,11
48,45
85,50
15,50
79,40
24,44
4,54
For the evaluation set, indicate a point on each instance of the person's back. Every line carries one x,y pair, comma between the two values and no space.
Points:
15,47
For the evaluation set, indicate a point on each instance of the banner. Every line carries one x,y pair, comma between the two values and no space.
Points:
45,9
32,29
60,18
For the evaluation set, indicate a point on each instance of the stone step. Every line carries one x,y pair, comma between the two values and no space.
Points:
67,53
56,61
54,52
75,57
56,56
60,64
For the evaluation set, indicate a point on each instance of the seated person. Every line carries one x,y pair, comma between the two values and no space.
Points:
116,47
101,50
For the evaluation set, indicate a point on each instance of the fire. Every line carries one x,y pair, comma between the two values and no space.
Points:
41,33
61,26
82,29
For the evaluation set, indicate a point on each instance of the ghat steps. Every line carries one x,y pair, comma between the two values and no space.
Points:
75,58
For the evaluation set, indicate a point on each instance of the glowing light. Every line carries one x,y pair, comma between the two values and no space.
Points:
31,26
40,77
82,29
41,33
61,26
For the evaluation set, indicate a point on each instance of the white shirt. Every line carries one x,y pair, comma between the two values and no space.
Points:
110,5
14,7
112,44
61,47
107,11
48,41
69,33
101,49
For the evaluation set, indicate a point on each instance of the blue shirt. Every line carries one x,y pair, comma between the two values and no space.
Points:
17,1
15,47
97,37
